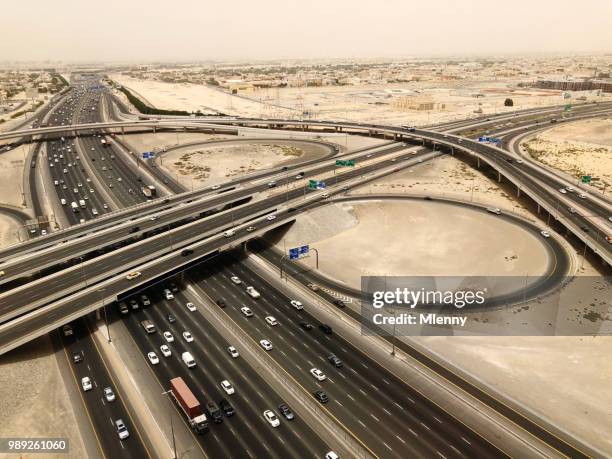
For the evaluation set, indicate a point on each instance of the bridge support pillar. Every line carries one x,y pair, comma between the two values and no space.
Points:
98,315
518,191
538,209
154,129
498,176
122,130
452,151
477,162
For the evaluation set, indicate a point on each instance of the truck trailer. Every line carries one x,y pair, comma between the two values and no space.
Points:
189,405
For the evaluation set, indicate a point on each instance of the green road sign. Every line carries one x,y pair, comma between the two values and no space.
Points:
345,162
586,179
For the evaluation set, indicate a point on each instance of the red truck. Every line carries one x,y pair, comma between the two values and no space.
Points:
189,404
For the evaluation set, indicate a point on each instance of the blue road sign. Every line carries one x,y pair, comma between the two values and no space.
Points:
304,250
148,154
294,254
299,252
321,185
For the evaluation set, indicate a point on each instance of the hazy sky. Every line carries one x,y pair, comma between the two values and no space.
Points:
144,30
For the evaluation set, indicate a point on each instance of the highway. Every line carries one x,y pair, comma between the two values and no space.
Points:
244,434
383,412
101,412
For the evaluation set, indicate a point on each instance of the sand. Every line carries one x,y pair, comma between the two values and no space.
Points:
11,172
420,239
581,148
33,400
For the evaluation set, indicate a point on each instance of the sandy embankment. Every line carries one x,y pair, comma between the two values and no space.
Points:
33,399
581,148
11,175
217,163
420,239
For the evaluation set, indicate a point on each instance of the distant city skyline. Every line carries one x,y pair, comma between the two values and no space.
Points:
141,31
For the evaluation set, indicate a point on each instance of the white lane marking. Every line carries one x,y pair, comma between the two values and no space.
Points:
464,439
413,432
385,381
362,392
374,417
440,454
359,421
386,411
437,420
388,447
426,426
349,396
400,439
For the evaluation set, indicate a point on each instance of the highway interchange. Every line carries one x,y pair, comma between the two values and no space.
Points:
429,430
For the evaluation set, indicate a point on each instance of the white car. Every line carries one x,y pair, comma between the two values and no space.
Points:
318,374
109,395
153,358
572,210
233,352
252,292
562,191
545,233
188,337
569,188
191,306
297,305
86,383
215,187
236,280
168,337
133,275
271,217
165,350
267,345
227,387
271,321
246,311
271,418
582,196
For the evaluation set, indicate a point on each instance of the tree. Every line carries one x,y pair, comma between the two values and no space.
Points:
508,103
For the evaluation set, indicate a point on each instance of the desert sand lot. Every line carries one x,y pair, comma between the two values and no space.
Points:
443,240
11,172
580,148
384,103
33,398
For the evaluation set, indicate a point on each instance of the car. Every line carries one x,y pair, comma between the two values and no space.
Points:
247,311
582,196
331,455
305,325
233,352
572,210
67,330
325,329
214,412
121,429
545,233
318,374
186,252
227,387
520,161
145,300
173,287
286,411
153,358
321,396
569,188
187,336
133,275
271,184
215,187
190,306
271,217
339,304
227,407
271,321
168,294
109,395
165,350
168,337
297,305
236,280
334,360
171,318
77,357
86,383
313,287
220,302
271,418
252,292
299,176
562,190
250,228
267,345
123,309
133,304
